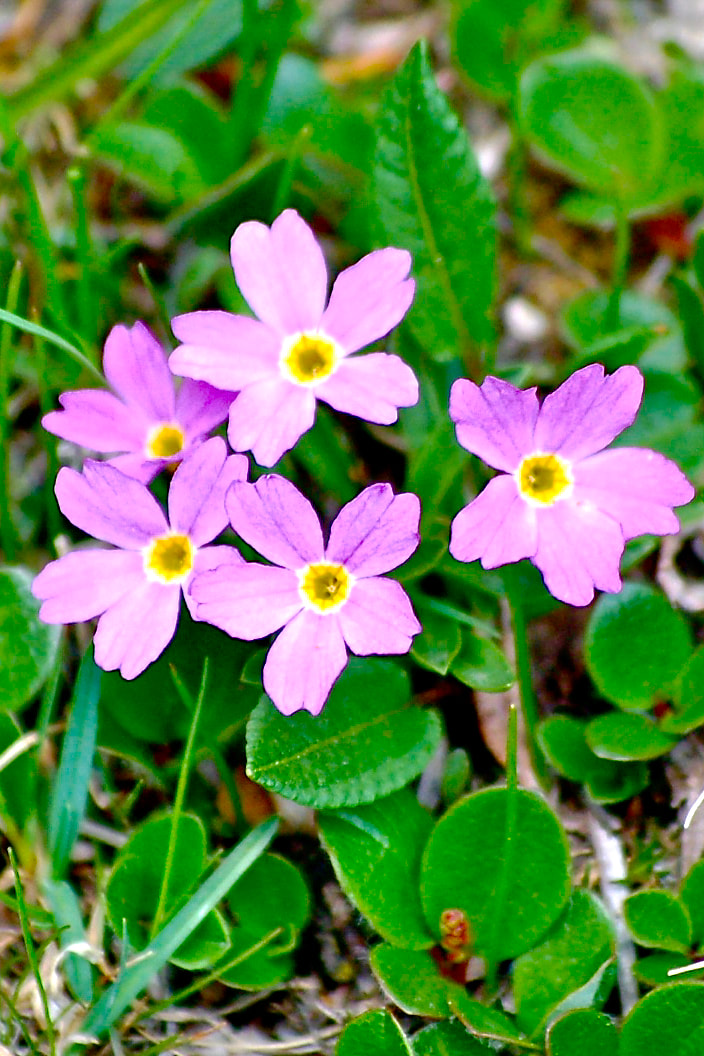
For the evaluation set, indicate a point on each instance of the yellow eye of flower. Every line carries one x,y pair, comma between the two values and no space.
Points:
309,358
543,479
324,586
165,441
169,558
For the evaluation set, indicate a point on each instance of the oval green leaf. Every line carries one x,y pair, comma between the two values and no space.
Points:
368,741
583,1032
669,1020
658,919
28,647
626,736
375,1033
635,646
511,892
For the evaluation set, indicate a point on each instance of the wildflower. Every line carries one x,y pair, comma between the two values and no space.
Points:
324,597
144,416
298,350
136,589
561,500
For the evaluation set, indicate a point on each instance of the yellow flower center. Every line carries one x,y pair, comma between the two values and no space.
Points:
308,358
324,586
165,441
169,558
542,479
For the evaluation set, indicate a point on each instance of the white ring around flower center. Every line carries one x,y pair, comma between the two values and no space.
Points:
544,478
324,586
308,357
169,558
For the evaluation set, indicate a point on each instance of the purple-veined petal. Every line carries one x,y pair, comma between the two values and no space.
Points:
139,468
579,548
269,417
135,366
246,600
378,618
85,583
97,419
304,662
375,532
197,492
108,505
494,421
635,486
372,387
276,520
281,272
498,526
207,559
201,407
136,629
369,299
588,410
228,351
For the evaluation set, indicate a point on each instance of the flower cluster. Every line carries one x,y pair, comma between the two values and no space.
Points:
560,499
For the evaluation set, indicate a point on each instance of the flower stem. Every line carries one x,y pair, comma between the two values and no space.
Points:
622,251
529,703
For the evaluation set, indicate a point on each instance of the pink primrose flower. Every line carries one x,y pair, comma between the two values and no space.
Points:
144,416
560,499
324,597
136,590
298,350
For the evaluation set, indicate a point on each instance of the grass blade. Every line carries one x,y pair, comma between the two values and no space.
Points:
53,339
70,792
135,977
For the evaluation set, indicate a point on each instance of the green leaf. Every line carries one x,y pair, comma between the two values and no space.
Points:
66,912
626,736
692,895
510,894
653,969
448,1039
192,115
376,852
578,945
426,188
583,1032
670,420
368,741
482,665
439,643
151,156
691,312
563,739
489,1023
688,697
216,29
375,1033
135,976
28,647
635,646
508,31
412,980
658,919
18,780
669,1020
593,121
70,792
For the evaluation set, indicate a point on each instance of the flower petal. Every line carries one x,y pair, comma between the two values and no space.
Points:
85,583
99,420
495,421
304,662
207,559
498,526
372,387
139,468
197,492
247,601
229,351
274,518
108,505
579,548
369,299
375,532
135,366
378,618
635,486
201,407
281,272
588,410
134,631
269,417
